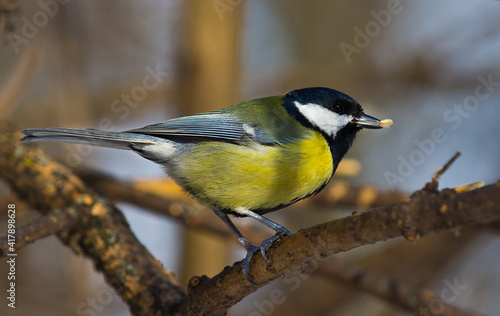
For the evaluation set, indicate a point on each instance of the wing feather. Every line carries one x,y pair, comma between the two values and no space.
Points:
212,125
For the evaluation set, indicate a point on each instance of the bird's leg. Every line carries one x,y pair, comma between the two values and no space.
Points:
250,248
281,231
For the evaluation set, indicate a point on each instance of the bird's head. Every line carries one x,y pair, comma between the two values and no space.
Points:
329,111
334,114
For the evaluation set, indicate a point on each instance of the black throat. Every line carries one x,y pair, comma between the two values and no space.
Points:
342,142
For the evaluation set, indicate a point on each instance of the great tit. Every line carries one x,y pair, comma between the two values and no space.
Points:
248,159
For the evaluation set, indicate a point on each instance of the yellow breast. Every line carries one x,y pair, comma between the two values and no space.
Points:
256,177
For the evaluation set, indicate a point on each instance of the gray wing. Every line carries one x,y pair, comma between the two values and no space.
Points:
207,126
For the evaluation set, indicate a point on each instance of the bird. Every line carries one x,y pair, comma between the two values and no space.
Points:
248,159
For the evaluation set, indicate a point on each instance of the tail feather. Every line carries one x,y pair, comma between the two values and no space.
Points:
93,137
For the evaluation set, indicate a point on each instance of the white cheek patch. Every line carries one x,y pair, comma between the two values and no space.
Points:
326,120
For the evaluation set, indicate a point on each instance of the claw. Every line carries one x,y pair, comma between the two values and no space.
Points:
264,246
263,253
245,265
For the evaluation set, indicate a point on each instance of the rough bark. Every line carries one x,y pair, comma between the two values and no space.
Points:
103,234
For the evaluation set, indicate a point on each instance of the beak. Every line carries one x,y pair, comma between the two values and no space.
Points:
367,121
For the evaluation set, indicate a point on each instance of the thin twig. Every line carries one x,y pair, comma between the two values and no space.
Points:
437,175
432,187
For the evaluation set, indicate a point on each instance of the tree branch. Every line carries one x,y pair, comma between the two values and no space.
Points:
337,194
414,300
341,194
418,301
103,234
423,214
187,213
54,222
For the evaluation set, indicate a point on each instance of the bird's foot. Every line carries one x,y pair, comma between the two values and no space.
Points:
264,246
245,265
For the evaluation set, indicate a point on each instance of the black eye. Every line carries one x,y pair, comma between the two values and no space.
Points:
338,108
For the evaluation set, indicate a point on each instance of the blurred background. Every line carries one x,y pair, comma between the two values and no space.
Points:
432,67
